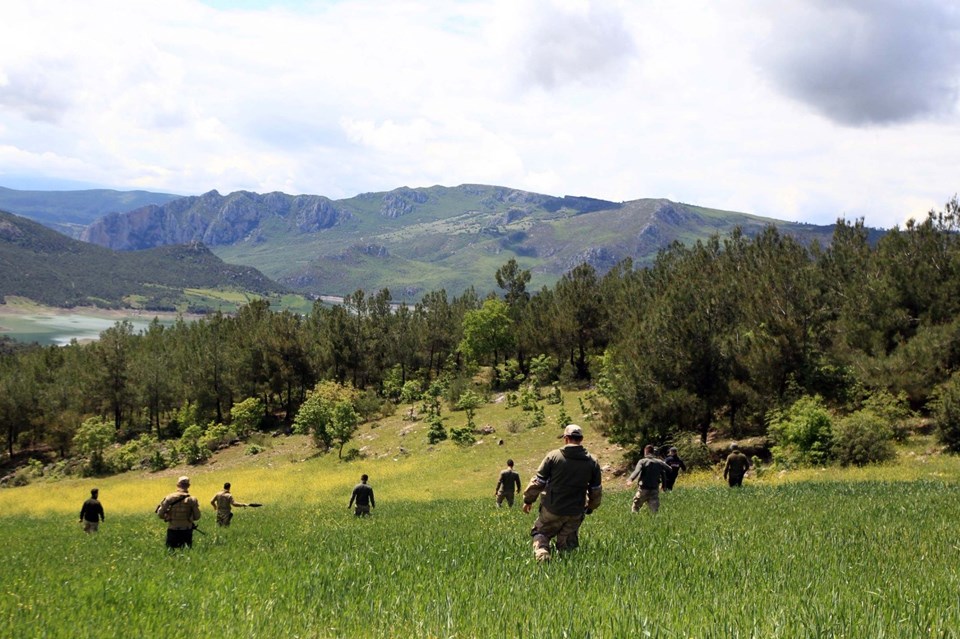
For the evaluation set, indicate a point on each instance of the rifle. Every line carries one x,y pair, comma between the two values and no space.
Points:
195,527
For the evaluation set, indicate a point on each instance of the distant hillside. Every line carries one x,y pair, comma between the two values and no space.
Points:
416,240
52,269
70,211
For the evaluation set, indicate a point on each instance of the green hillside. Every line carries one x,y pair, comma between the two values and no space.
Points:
412,241
52,269
799,553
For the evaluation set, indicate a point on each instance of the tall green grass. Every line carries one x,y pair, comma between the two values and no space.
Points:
863,559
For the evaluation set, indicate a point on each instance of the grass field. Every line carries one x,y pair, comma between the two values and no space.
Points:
817,553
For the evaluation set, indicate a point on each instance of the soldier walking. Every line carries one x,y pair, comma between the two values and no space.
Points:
566,478
180,510
363,495
650,473
223,502
91,513
507,484
736,467
676,465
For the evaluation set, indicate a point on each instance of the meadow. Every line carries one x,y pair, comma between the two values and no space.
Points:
836,553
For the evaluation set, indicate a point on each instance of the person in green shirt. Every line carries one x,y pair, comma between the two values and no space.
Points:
736,467
568,483
508,483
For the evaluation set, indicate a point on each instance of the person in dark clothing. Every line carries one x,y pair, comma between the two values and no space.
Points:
736,467
650,473
363,495
676,464
570,481
91,513
507,485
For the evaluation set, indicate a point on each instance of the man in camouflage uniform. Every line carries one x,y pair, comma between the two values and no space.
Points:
91,513
566,478
649,473
508,483
223,502
736,467
363,494
180,510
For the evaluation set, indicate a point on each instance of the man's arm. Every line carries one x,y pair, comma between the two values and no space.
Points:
372,503
595,490
636,472
516,478
353,496
100,508
213,502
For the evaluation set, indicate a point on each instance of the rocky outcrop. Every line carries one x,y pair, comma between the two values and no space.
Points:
401,201
213,219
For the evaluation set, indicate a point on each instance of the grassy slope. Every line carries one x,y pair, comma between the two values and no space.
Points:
813,553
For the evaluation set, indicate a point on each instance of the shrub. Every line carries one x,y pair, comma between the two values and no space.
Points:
894,410
253,449
190,447
803,432
537,419
136,453
693,452
247,416
462,436
92,439
863,438
946,413
217,436
437,432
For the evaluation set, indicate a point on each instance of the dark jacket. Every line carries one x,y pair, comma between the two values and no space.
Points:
567,478
650,472
91,510
737,465
508,481
363,494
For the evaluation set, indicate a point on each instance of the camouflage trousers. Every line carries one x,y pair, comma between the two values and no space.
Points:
547,526
650,497
91,526
501,496
224,517
361,511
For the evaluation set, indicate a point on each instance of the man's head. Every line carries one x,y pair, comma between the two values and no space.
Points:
648,449
226,486
510,463
734,446
364,478
183,482
573,433
673,450
94,492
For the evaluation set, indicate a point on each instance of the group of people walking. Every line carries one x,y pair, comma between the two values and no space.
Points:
567,482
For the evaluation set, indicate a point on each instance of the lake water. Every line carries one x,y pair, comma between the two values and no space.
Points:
60,328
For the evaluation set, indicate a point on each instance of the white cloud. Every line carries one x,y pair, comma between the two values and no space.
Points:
744,106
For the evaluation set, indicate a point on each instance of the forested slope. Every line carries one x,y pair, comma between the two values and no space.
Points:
52,269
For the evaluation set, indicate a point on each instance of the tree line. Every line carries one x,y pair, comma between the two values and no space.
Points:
727,335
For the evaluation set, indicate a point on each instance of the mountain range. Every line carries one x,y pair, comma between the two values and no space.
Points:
410,240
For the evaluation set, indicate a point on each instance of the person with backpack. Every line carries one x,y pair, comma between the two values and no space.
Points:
180,510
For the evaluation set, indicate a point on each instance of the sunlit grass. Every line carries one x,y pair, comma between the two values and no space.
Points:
807,552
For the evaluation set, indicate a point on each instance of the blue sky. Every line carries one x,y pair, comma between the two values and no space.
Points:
798,109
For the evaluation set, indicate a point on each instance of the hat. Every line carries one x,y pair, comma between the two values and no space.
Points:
572,430
673,449
734,446
183,481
